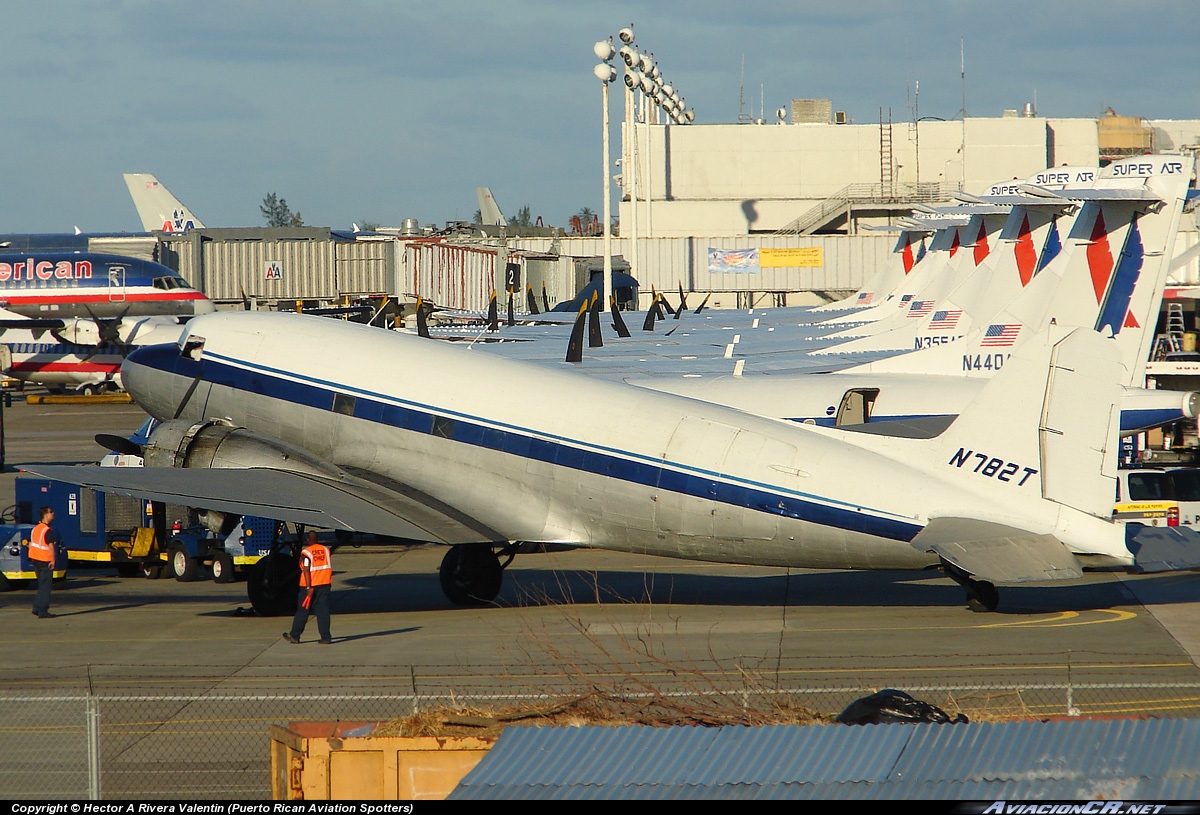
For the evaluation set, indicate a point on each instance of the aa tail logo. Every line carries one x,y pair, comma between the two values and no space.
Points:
907,254
954,244
1025,253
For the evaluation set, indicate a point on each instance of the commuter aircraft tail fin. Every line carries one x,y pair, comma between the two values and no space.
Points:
157,207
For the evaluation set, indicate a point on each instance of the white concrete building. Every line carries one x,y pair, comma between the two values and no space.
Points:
742,179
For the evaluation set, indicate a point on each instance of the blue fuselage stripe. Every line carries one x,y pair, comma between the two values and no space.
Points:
465,429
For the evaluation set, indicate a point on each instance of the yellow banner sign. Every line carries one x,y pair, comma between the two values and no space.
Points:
807,256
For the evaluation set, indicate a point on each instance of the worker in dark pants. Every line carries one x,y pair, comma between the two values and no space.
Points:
316,578
41,557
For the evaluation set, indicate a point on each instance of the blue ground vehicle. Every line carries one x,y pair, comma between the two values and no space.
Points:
14,558
143,537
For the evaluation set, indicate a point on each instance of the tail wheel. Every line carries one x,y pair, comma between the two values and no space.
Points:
471,574
222,568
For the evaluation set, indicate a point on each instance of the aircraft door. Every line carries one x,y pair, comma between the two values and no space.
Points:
856,406
116,284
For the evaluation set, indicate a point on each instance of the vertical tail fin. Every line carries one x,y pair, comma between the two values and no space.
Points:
158,209
489,210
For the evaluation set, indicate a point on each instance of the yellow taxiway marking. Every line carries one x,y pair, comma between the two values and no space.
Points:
1060,620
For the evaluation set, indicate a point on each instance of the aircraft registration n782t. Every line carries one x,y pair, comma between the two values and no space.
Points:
261,414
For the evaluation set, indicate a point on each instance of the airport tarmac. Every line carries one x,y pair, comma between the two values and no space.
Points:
570,620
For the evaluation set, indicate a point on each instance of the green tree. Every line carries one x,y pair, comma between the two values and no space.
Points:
275,209
524,217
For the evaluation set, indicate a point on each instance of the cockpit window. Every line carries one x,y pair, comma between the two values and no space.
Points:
191,347
169,283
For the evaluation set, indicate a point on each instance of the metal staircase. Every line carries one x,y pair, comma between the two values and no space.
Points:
860,196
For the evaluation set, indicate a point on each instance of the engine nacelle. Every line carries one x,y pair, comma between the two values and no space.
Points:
79,332
217,445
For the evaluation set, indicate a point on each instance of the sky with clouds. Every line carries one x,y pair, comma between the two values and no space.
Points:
380,110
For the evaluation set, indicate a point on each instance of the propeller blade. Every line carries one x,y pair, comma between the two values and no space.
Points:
118,444
511,321
545,298
682,297
530,300
618,320
422,319
700,307
648,325
575,346
594,338
493,316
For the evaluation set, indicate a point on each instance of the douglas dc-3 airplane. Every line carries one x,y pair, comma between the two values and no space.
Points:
261,415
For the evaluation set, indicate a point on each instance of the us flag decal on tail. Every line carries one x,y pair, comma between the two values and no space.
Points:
1001,335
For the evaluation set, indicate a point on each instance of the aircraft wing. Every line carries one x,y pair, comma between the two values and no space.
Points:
352,504
1001,554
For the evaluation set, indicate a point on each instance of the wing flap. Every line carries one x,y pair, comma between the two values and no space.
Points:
999,553
351,504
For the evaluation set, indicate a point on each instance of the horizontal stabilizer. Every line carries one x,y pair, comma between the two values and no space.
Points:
999,553
350,504
1163,548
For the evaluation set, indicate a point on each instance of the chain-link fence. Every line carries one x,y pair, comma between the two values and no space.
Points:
213,745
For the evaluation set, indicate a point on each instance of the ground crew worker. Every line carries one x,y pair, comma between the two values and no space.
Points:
316,578
41,556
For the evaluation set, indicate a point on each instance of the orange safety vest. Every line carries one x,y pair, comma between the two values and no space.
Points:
39,547
315,559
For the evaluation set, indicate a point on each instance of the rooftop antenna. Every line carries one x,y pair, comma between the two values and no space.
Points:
962,76
742,117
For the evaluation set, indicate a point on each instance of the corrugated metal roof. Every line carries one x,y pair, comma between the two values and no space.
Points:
1082,759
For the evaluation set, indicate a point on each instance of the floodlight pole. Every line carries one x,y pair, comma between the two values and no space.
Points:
608,291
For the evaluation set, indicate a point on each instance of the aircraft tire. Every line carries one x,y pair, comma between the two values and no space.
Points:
151,570
222,568
183,567
471,574
272,586
983,596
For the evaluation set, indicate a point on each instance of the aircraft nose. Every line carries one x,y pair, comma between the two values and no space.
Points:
202,305
147,374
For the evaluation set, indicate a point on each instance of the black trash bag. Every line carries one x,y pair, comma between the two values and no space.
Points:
891,706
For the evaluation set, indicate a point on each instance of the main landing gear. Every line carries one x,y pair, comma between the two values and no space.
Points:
981,595
471,573
273,582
